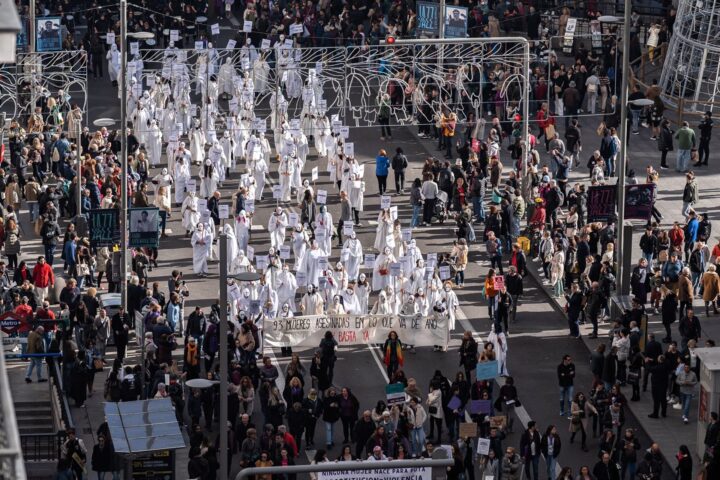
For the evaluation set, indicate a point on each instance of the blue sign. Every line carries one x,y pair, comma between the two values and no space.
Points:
486,370
456,22
428,19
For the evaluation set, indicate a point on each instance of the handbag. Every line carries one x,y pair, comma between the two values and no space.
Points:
83,269
600,129
633,378
550,131
432,410
98,364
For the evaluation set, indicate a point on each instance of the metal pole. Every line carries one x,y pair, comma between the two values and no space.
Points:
524,184
622,164
33,57
344,466
78,199
123,161
441,21
223,358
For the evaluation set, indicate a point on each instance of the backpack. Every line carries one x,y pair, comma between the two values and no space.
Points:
112,390
127,388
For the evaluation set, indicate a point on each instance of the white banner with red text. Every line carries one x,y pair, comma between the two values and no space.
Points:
308,331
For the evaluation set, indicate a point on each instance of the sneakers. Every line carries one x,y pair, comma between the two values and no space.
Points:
685,420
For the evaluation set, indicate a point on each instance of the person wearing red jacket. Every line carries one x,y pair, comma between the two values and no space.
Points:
43,278
544,120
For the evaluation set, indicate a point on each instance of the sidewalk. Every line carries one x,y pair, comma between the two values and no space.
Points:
668,432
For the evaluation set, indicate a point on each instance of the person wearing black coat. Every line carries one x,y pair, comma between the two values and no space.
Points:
610,366
312,407
362,431
103,456
658,386
296,419
606,469
685,464
669,313
665,142
468,354
530,449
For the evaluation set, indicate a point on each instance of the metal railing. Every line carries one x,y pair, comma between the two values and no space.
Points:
42,447
58,395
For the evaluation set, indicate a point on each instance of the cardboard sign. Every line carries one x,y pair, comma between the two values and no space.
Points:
285,252
347,229
314,174
385,202
261,262
250,253
301,278
480,406
202,204
445,274
231,44
468,430
199,45
498,421
277,192
344,132
394,213
349,149
320,235
406,234
323,263
293,219
483,446
247,26
134,48
193,110
174,35
215,29
321,197
369,260
498,282
296,28
191,185
265,44
396,269
110,38
224,211
486,370
250,205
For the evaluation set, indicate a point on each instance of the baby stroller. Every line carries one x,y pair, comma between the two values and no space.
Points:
440,212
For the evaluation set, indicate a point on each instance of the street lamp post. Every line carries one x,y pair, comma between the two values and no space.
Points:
223,357
123,155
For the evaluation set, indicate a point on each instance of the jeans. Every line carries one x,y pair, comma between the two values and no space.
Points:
610,166
550,461
50,254
558,288
399,180
34,210
573,325
682,160
635,119
704,150
382,183
686,207
496,262
566,395
35,362
417,439
460,277
686,398
478,209
535,461
448,145
648,257
629,468
415,216
329,432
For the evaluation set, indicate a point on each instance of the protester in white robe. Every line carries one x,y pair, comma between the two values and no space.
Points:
141,121
500,346
381,270
201,243
422,303
451,304
362,291
213,90
286,170
228,146
393,299
324,224
357,198
208,122
417,277
298,165
276,227
350,171
312,302
154,143
259,169
336,306
286,287
300,194
216,155
208,179
399,248
190,213
268,300
169,122
242,230
197,144
320,132
381,306
311,264
339,279
113,58
350,301
413,253
383,232
303,149
182,175
225,77
300,242
354,260
163,179
232,246
240,264
261,71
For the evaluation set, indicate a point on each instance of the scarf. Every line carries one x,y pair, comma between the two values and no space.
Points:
191,356
398,352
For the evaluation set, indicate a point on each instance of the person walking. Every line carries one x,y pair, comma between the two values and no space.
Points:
399,165
35,346
691,193
530,449
665,143
384,117
382,165
550,446
686,380
393,353
659,375
429,192
705,127
566,378
685,137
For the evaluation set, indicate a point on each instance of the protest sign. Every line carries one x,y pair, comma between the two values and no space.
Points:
314,174
307,331
487,370
385,202
215,29
483,446
389,473
285,252
480,406
498,282
369,260
395,393
224,211
321,197
468,430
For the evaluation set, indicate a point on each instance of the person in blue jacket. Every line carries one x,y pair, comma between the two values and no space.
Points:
382,166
